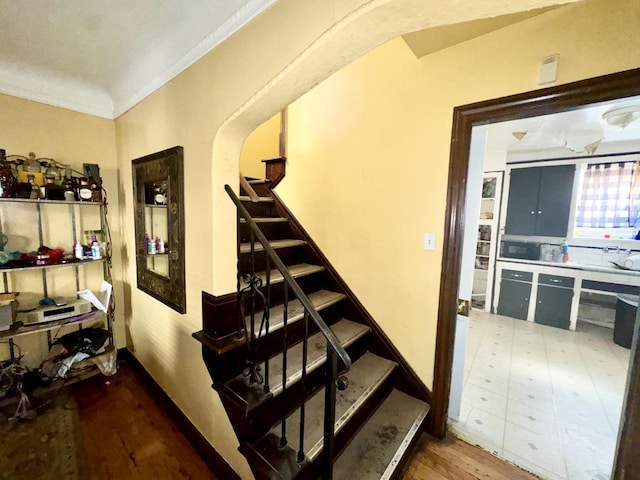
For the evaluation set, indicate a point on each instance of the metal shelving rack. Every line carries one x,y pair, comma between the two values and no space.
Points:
486,244
18,329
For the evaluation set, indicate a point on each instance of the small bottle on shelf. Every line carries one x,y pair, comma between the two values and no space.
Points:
84,192
35,189
67,185
96,193
78,251
96,252
159,196
52,190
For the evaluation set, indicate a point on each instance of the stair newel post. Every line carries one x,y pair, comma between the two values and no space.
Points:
285,316
267,306
329,413
303,383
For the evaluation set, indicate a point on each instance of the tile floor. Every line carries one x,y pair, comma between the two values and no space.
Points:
546,399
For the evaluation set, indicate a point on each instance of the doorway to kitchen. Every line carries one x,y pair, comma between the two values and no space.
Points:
557,99
545,397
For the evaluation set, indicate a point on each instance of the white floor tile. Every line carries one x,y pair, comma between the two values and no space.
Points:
485,426
544,398
534,419
486,400
537,449
489,381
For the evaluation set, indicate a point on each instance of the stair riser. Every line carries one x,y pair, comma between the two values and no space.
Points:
261,188
295,333
271,230
261,209
289,255
226,366
308,283
272,411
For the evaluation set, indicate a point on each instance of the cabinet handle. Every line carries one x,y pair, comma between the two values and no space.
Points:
539,212
555,281
517,276
532,212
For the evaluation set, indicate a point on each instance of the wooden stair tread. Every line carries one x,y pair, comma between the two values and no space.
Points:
365,376
245,247
345,330
267,220
247,198
296,271
378,447
320,299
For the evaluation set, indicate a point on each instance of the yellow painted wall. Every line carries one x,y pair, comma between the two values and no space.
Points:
262,144
368,151
387,109
70,138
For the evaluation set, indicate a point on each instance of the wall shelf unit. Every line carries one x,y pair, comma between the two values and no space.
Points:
486,243
31,223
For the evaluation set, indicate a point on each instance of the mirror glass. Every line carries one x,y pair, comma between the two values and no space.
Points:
156,227
159,225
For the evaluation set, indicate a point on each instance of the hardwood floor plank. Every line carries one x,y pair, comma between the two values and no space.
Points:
453,459
128,435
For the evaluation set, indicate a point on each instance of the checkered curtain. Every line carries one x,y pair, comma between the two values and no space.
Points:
609,198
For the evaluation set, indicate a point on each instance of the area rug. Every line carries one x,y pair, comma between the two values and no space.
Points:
49,446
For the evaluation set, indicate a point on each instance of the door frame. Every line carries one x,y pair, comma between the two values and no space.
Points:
534,103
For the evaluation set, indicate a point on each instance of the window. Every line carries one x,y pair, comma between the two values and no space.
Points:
609,201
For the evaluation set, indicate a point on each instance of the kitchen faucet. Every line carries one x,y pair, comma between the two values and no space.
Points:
615,249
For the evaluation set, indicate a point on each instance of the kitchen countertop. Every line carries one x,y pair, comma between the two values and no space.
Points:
574,266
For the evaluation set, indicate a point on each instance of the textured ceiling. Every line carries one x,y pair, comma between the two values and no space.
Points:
102,57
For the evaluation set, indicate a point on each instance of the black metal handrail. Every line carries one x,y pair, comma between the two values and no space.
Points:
334,349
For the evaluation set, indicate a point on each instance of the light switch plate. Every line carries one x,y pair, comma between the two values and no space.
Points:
430,241
548,69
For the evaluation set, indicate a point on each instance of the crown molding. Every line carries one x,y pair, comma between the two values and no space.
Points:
47,89
51,89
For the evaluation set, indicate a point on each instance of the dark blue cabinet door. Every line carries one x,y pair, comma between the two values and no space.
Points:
554,306
514,299
554,200
522,206
540,201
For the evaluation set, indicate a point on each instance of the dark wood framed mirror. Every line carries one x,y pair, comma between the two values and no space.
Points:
159,226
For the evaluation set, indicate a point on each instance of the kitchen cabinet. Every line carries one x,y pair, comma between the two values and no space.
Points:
554,300
515,292
486,243
539,201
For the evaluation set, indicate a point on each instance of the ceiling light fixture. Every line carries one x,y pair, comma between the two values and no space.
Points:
519,135
622,116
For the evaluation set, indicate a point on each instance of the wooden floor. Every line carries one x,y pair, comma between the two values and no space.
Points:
127,435
453,459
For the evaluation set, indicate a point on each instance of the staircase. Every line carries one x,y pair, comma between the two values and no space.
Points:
312,386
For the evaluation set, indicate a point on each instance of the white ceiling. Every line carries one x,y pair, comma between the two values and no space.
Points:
566,134
103,56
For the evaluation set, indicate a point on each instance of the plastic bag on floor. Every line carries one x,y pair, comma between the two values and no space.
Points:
73,348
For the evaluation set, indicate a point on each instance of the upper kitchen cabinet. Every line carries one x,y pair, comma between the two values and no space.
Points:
540,201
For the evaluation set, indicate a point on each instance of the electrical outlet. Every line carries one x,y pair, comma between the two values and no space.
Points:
430,241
